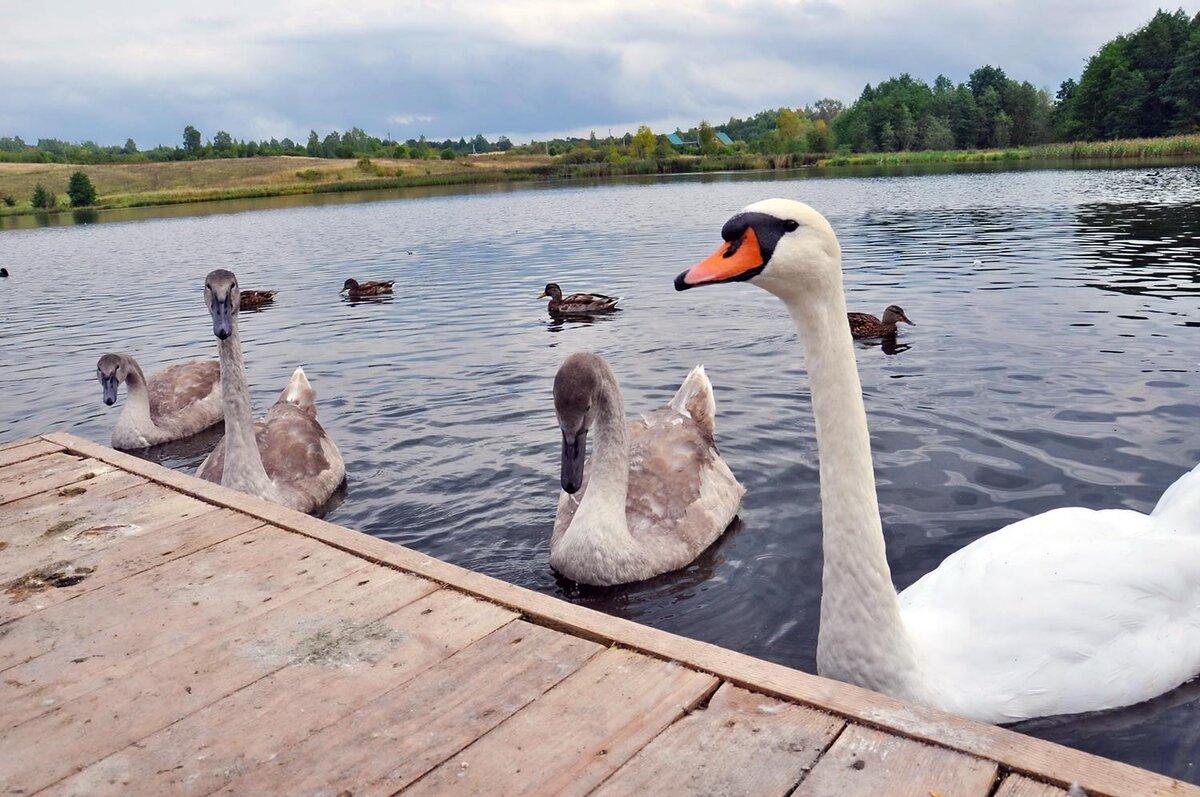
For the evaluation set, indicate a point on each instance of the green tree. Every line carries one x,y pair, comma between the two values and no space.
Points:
644,142
709,144
81,191
787,122
936,134
1181,91
820,137
222,142
130,147
43,198
191,140
313,147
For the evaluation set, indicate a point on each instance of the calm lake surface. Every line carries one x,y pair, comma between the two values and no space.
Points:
1056,362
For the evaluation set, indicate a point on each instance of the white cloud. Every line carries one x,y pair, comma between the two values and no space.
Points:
82,70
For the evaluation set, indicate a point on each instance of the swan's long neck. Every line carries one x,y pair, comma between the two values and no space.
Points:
600,523
136,414
243,469
862,637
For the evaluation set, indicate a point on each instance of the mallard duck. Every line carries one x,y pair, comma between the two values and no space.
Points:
358,289
656,491
577,303
287,457
3,272
174,403
865,325
253,299
1083,609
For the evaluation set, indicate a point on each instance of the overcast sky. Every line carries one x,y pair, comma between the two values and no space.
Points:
261,68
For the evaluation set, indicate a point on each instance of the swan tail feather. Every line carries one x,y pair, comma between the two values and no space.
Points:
300,392
1179,507
695,398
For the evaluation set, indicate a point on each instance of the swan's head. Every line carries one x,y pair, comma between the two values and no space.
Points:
582,382
223,299
894,314
111,370
779,245
552,290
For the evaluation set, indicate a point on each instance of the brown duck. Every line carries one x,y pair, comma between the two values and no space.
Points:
865,325
358,289
577,303
253,299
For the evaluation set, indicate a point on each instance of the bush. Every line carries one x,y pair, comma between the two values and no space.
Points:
42,198
448,154
309,175
81,191
9,200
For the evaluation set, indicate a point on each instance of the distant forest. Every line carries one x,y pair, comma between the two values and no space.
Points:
1141,84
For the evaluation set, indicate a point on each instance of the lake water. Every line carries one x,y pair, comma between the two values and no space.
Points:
1056,362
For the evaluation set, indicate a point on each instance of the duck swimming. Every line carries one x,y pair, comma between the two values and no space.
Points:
177,402
254,299
655,492
576,303
357,289
865,325
287,457
1068,611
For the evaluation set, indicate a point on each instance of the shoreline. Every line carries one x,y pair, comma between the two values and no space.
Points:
366,176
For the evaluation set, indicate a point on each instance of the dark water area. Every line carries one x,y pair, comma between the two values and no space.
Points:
1056,362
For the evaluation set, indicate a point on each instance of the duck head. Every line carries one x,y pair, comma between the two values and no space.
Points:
223,299
349,285
780,245
552,290
894,314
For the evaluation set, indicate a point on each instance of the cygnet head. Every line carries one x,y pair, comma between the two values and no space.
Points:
579,386
223,300
111,370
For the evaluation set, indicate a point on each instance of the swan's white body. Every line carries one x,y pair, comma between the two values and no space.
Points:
1069,611
655,495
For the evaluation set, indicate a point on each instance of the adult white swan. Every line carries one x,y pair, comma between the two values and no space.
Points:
656,492
1073,610
287,457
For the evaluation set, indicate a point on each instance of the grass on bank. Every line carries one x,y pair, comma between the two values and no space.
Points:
131,185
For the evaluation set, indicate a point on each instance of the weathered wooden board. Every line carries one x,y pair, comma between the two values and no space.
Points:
1018,786
866,763
41,512
87,571
114,519
4,446
111,632
257,726
104,721
740,743
392,741
49,472
578,733
28,450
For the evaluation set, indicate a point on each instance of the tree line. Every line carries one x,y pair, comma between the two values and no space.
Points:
1140,84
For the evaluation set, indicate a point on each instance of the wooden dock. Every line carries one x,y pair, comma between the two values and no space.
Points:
163,635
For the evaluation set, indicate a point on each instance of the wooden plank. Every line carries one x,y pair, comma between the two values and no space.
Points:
29,450
112,632
15,443
100,523
864,762
46,509
741,743
134,555
1019,786
49,472
1058,764
392,741
578,733
256,726
314,625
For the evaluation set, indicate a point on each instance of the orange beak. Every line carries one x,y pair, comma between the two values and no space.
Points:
732,261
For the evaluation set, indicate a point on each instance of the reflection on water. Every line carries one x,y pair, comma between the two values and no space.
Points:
1056,363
